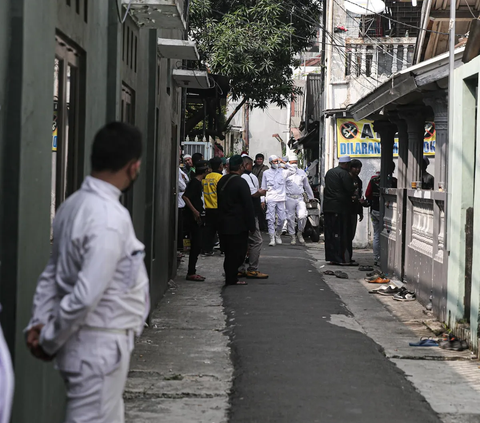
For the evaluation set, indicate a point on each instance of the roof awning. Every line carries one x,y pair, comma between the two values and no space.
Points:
177,49
307,141
401,84
191,78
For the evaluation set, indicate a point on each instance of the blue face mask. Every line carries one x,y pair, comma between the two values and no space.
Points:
274,165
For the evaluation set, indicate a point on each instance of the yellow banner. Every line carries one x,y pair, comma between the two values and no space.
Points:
358,139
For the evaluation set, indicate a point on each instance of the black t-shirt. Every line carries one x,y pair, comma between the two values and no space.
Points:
194,193
235,207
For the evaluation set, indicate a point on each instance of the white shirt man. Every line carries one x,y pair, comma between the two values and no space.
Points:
273,182
255,239
93,295
296,185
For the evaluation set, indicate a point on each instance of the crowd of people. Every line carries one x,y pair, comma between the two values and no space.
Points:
228,202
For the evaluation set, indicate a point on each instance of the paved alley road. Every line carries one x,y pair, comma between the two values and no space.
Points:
293,366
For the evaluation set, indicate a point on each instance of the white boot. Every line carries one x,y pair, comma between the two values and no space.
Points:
300,238
278,239
294,240
272,241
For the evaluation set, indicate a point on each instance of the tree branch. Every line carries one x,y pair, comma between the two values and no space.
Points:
232,115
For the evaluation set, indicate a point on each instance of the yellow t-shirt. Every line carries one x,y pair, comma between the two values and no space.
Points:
210,190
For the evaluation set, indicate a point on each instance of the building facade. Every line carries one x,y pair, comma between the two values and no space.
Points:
84,63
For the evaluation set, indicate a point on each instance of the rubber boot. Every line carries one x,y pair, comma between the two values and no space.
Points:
294,240
272,241
300,238
278,238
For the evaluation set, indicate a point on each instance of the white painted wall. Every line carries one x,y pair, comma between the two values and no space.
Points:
262,125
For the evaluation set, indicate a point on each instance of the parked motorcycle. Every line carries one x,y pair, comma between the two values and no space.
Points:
314,225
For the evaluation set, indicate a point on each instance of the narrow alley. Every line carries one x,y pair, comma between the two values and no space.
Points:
297,347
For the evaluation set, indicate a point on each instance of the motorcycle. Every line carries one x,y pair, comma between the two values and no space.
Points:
314,224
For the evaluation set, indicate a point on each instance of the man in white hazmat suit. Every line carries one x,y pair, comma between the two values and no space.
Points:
273,181
92,298
295,185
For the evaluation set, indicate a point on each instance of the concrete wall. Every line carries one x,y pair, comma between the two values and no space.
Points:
27,51
262,124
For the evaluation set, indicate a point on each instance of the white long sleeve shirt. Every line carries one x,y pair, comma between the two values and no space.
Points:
182,186
96,276
273,181
297,183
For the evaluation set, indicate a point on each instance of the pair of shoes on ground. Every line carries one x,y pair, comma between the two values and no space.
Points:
339,274
208,253
451,342
252,274
334,263
398,294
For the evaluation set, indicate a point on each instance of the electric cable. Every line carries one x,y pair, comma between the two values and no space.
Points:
122,20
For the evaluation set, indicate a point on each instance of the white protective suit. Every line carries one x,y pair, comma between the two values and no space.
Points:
296,184
273,181
92,298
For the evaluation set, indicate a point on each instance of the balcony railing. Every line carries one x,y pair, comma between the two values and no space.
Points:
378,56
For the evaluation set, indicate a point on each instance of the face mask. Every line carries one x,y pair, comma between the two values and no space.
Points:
294,166
130,185
274,165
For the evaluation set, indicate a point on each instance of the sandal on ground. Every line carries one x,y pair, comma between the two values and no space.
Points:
237,283
424,342
341,275
365,268
196,278
329,273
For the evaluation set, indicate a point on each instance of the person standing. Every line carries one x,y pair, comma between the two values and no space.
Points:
428,181
188,164
92,297
211,204
258,169
7,379
182,185
358,201
236,219
337,211
194,218
296,185
372,194
273,182
255,240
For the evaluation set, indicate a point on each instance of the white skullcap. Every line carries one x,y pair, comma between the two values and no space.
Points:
187,156
344,159
272,158
247,156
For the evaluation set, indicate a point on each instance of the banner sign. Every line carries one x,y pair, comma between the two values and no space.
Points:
358,139
54,127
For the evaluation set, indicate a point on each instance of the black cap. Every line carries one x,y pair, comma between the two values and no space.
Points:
236,160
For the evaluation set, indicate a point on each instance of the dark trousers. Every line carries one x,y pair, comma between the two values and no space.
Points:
353,231
210,229
235,248
180,234
262,221
195,246
338,241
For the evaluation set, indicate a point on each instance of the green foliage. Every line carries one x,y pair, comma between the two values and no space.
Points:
254,42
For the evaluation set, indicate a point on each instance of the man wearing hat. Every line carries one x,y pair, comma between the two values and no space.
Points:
188,164
195,216
296,185
273,182
337,210
236,219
